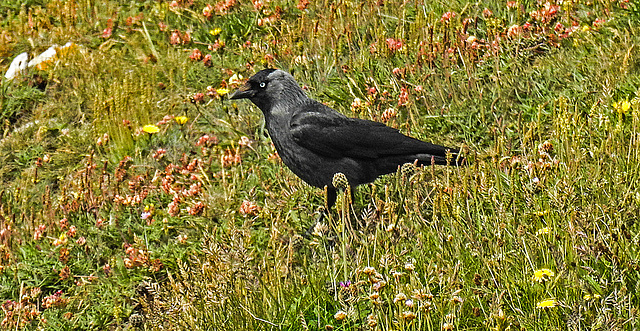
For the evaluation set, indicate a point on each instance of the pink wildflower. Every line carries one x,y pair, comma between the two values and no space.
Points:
446,17
394,44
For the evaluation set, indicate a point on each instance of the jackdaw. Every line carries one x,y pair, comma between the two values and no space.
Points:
317,142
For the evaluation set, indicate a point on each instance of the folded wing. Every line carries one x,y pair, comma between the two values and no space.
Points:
333,135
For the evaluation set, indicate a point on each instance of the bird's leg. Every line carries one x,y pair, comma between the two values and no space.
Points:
353,194
331,195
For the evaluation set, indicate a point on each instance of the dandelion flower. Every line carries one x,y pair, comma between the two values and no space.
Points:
222,91
625,106
181,119
150,128
542,275
549,303
622,106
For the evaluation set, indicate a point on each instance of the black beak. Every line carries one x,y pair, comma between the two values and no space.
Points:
244,92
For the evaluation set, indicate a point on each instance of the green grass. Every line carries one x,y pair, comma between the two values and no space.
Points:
107,227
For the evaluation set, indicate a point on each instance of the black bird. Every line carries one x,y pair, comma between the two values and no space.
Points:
316,142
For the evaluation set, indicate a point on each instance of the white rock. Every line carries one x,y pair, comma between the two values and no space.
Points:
18,64
44,56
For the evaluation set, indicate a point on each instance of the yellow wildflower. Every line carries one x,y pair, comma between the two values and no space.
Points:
181,119
589,296
622,106
222,91
215,31
62,240
150,128
542,275
549,303
545,230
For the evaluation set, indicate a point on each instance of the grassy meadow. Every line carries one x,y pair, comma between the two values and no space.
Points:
134,195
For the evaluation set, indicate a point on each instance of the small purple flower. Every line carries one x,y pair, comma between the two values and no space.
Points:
345,284
145,215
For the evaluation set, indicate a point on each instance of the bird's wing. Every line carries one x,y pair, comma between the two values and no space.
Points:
334,135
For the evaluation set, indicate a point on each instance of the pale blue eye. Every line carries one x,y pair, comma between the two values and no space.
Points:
263,84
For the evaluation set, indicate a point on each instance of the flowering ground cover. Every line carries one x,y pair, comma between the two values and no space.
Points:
135,196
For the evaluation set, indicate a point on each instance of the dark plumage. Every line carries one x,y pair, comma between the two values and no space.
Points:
316,142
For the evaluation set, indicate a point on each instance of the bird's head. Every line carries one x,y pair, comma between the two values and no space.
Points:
270,87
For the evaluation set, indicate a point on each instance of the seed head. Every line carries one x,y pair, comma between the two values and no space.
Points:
340,181
407,170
